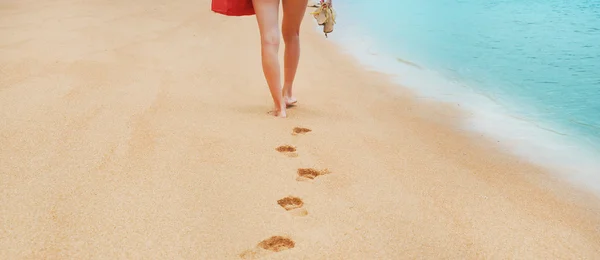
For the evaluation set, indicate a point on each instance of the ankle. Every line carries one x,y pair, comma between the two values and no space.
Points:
287,91
280,106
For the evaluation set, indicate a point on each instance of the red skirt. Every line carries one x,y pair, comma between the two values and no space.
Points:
233,7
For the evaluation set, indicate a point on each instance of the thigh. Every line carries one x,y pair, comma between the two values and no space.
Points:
267,16
293,13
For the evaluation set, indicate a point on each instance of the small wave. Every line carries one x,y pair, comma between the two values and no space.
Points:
409,63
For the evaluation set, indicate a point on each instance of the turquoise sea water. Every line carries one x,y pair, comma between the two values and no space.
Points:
528,70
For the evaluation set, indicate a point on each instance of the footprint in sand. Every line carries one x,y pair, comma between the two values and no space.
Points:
293,205
300,130
277,244
308,174
272,244
288,150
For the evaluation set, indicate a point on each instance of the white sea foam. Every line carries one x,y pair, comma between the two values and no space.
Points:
539,142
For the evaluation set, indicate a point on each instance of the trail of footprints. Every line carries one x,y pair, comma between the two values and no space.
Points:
292,204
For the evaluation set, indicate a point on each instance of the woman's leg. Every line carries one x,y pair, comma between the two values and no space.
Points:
293,13
267,16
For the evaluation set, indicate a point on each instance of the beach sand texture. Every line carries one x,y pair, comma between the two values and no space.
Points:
138,130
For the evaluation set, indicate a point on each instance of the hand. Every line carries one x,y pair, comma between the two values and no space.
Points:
326,2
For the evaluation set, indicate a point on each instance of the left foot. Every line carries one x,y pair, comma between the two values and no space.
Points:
278,112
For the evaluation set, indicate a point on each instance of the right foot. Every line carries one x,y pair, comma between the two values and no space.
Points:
290,101
288,98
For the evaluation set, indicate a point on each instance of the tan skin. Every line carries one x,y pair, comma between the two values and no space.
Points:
267,16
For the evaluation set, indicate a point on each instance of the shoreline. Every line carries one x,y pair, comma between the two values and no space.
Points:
558,152
144,134
444,114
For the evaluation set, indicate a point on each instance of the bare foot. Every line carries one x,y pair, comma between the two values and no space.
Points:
288,98
290,101
278,113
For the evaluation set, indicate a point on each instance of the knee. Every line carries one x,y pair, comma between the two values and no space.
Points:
270,38
291,36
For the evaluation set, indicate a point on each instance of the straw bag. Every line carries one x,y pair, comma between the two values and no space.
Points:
233,7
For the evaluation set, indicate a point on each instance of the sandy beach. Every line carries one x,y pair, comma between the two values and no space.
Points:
138,130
